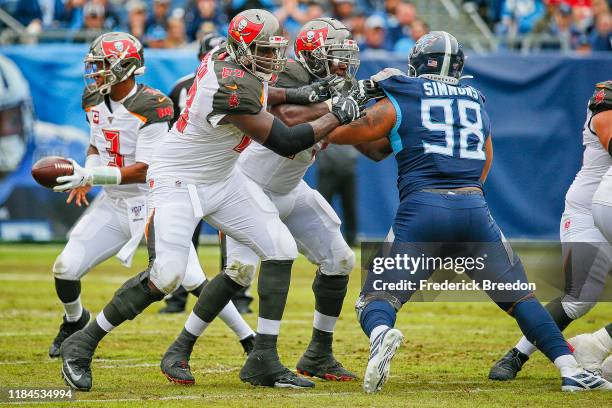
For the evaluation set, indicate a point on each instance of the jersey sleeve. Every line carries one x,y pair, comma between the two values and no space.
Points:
148,138
151,106
88,101
294,76
601,100
236,92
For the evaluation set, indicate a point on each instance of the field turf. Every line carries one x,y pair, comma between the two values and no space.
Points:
444,362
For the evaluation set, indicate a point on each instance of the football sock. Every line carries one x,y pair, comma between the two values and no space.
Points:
69,293
555,308
329,294
215,296
273,287
230,316
604,337
567,365
540,329
377,313
194,325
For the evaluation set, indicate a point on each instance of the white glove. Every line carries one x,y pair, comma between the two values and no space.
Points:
82,177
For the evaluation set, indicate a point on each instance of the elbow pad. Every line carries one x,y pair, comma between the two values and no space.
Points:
288,141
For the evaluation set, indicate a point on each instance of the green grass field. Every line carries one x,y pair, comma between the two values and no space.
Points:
444,362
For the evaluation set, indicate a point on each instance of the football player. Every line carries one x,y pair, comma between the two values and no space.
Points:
592,350
126,121
439,132
175,303
586,249
192,177
323,46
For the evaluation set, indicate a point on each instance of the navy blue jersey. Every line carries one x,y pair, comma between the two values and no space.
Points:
440,132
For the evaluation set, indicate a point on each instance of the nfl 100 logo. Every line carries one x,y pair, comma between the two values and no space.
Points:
137,210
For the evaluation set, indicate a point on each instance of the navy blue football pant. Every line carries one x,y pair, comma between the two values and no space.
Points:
455,225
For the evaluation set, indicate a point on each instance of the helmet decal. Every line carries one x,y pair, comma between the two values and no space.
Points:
309,40
241,29
120,48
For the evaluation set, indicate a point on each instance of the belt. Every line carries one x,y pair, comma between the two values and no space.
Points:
451,191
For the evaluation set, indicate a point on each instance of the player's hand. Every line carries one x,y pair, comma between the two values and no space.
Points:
345,108
366,90
316,92
80,193
81,177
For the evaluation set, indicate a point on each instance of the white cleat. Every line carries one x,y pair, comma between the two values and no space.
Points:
382,350
585,381
589,352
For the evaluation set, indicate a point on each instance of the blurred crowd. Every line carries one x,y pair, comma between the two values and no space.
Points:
580,25
379,26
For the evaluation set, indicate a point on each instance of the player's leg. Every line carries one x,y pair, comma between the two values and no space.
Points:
175,362
592,349
176,301
97,236
587,262
316,230
503,266
169,231
245,213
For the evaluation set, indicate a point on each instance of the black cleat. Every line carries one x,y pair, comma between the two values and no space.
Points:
175,362
248,344
76,353
325,367
263,367
66,330
508,366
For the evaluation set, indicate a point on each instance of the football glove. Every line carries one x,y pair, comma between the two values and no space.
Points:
82,177
316,92
366,90
345,108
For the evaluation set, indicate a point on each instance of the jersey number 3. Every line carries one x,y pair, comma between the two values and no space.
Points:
469,130
112,137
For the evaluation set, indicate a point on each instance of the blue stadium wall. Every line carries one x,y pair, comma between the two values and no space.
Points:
537,105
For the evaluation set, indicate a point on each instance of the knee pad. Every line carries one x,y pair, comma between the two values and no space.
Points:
67,266
366,298
168,275
339,263
574,310
241,273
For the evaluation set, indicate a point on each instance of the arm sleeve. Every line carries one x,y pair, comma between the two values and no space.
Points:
288,141
148,138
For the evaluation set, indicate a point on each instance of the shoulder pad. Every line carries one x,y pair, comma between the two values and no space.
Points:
150,105
90,99
238,92
602,97
294,76
386,74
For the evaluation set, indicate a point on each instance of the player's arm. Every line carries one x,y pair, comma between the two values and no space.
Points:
292,115
601,123
376,124
489,160
79,194
284,140
376,150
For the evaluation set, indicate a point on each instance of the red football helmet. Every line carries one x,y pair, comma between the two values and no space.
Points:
324,42
112,58
255,41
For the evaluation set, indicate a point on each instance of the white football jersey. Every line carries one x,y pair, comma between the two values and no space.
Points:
125,132
199,149
273,172
595,163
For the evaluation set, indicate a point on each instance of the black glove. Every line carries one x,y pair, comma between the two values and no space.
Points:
316,92
345,108
366,90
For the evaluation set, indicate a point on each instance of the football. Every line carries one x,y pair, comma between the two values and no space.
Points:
48,169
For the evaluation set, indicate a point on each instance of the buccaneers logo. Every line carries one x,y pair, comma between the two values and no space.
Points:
599,97
310,40
120,49
242,29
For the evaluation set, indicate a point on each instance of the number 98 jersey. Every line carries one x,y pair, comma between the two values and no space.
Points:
439,134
